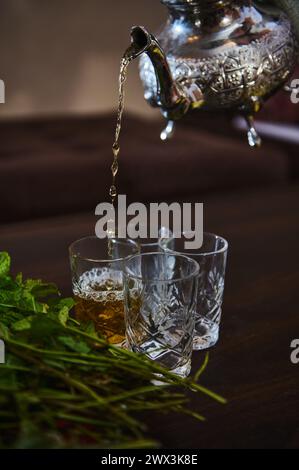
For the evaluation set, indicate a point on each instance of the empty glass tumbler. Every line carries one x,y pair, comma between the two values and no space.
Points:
160,299
211,258
97,279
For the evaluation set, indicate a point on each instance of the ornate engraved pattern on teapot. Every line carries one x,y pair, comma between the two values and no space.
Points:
215,54
233,77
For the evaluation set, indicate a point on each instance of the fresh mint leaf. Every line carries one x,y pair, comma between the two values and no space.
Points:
89,328
19,279
74,344
43,328
67,302
63,315
4,263
4,331
43,290
30,284
24,324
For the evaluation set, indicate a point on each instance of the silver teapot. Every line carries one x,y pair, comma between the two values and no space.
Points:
215,54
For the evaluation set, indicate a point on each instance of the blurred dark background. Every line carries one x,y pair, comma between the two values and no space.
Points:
62,56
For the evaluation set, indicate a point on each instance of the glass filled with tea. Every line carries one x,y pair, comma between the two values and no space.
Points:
97,280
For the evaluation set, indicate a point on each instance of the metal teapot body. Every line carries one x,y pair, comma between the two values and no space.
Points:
215,54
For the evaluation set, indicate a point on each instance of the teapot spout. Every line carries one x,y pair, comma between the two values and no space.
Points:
170,95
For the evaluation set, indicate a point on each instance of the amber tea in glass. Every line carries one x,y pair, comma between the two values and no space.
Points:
98,283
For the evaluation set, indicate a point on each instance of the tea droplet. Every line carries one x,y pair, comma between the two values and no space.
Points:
254,139
113,191
114,168
115,149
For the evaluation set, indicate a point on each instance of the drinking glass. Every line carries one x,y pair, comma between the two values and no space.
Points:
97,280
160,296
211,258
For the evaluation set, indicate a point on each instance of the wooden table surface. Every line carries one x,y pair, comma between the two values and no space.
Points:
251,364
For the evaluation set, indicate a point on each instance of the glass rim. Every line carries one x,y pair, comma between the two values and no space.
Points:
159,253
155,241
148,240
206,253
102,260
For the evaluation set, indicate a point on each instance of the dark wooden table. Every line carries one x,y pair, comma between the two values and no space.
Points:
251,364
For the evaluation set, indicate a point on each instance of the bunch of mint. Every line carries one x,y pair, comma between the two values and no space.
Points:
62,385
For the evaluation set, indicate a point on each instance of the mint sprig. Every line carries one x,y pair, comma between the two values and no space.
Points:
64,386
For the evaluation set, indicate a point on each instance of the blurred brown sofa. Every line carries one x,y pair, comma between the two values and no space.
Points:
58,166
